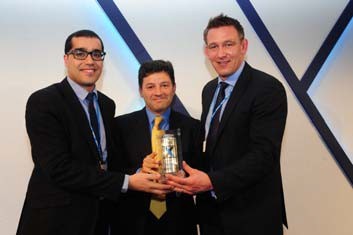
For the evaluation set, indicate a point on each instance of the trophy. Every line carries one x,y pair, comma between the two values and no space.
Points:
171,157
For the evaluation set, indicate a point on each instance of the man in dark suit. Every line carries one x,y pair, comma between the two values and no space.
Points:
68,124
243,114
133,137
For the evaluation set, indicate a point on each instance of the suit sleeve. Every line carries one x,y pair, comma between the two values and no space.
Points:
121,162
263,140
196,145
53,152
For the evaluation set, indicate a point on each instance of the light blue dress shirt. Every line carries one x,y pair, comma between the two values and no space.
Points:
81,94
164,124
231,81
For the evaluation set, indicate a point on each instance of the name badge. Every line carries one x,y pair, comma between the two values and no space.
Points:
204,146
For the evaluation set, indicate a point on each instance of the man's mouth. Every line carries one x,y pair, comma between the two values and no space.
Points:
159,99
88,71
223,63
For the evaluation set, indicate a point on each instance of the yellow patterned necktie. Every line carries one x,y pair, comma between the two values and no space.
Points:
157,206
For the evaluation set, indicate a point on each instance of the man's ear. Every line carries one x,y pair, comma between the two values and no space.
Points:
244,46
140,91
66,58
205,51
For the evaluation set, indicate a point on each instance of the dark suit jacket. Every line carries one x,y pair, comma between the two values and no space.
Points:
66,183
133,139
245,159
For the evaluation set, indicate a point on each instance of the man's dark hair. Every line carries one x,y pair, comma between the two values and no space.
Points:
220,21
155,66
81,33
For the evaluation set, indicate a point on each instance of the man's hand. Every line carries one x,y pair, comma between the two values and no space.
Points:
148,183
197,181
150,164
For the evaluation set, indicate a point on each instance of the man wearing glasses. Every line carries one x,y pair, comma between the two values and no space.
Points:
68,124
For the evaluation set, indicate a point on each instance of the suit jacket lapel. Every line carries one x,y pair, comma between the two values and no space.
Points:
106,119
78,112
142,130
238,91
174,120
208,100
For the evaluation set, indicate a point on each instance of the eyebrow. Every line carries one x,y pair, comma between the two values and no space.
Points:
81,48
85,49
228,40
149,83
161,83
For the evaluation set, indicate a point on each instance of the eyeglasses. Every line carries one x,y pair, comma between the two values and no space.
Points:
80,54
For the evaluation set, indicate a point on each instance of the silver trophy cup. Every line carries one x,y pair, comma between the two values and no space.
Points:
171,156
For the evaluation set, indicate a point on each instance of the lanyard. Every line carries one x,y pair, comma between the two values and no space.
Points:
215,111
218,107
98,144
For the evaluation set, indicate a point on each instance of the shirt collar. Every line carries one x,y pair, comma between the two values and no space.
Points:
151,116
232,79
80,92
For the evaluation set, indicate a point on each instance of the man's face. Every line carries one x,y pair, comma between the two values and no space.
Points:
225,50
158,91
84,72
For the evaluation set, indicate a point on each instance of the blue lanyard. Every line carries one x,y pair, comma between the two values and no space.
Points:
218,107
98,144
215,111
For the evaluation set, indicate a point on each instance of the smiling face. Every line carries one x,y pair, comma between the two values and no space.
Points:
84,72
158,91
225,49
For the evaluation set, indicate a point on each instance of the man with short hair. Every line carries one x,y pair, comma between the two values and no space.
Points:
133,137
243,117
68,124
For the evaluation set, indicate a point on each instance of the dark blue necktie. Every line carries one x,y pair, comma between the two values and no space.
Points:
214,125
93,116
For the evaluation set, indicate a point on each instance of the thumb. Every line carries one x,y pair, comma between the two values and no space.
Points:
187,168
151,155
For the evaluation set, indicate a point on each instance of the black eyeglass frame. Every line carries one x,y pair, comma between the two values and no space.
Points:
86,53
